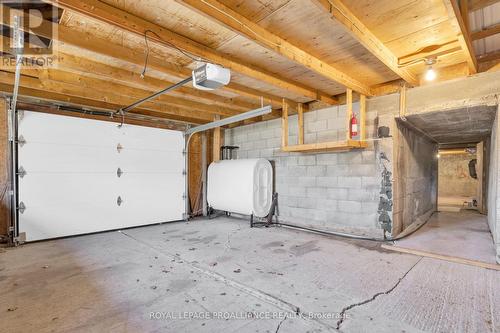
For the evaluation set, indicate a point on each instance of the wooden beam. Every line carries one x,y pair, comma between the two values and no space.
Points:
491,56
102,95
284,124
215,10
362,117
480,4
216,142
86,67
103,47
123,20
300,116
464,10
489,31
88,82
61,99
349,114
338,146
462,34
402,102
437,256
352,24
129,119
431,51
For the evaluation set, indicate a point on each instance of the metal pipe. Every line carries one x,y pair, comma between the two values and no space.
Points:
161,92
204,173
18,48
14,224
218,123
229,120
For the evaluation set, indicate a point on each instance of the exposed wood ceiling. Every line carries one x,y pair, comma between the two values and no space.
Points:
301,50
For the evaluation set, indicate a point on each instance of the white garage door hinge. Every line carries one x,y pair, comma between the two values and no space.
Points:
21,208
119,201
21,172
21,141
119,147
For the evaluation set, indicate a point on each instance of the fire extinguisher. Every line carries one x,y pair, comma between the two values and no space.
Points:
353,129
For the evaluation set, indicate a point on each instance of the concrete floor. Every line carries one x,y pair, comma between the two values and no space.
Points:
113,282
464,235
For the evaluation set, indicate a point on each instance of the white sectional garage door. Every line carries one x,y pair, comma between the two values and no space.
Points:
72,184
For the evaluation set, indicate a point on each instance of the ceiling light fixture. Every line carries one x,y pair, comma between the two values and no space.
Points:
430,74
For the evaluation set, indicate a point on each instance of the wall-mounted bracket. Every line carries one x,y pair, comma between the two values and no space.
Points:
21,208
21,172
21,141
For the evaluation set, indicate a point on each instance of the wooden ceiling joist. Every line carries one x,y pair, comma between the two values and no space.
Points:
118,18
432,51
352,24
462,33
489,31
217,11
103,47
102,93
86,67
58,98
480,4
86,82
491,56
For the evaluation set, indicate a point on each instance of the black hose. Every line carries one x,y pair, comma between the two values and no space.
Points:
341,234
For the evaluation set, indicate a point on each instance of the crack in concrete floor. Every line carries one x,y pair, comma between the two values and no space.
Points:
275,300
266,297
371,299
280,323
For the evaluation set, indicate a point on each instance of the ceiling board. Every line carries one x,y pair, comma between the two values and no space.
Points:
175,17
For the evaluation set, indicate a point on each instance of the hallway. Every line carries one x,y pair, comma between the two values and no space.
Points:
464,234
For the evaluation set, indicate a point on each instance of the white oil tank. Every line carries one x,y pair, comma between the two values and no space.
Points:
243,186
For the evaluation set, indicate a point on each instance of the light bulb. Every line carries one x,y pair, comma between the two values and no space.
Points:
430,75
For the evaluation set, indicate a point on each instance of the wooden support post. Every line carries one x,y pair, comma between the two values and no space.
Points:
362,117
464,10
402,102
284,124
217,142
300,111
349,113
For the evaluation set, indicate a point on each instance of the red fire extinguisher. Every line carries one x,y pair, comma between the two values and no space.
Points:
354,126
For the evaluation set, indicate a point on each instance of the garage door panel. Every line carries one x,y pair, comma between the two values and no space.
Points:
81,203
71,184
140,161
137,137
41,157
33,126
152,196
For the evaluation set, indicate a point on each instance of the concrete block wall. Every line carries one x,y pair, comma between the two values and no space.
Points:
416,175
493,186
330,191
